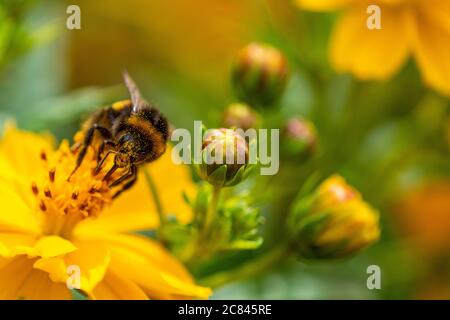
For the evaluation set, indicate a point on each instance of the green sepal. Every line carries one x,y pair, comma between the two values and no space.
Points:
217,177
237,177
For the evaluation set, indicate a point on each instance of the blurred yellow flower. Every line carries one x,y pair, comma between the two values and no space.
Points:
408,27
423,214
48,225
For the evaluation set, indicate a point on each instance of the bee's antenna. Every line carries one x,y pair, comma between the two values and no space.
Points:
136,98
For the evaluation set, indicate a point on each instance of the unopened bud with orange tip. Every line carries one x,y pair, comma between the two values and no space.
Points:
299,137
225,158
240,115
333,222
259,74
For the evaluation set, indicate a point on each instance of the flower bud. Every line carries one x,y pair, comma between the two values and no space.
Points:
239,115
259,74
225,156
333,222
299,137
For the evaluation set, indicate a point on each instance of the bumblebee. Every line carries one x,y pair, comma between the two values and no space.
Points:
133,131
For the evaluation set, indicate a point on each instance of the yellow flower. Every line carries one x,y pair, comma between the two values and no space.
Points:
334,222
48,225
423,215
408,27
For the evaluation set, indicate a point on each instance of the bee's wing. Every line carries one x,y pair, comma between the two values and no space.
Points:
139,103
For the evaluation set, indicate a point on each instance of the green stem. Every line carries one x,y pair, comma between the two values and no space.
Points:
155,196
192,253
211,212
250,269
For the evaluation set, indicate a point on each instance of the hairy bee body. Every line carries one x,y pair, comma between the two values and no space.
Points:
147,130
132,130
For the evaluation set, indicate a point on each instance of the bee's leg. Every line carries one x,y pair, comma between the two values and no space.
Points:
100,164
110,172
127,185
101,149
87,142
132,172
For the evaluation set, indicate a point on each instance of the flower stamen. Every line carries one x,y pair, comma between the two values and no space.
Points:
51,174
34,188
42,206
44,156
47,192
75,195
66,203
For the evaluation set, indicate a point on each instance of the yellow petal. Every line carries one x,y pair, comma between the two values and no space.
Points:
132,211
9,242
92,260
15,215
12,245
4,261
148,265
20,160
18,280
16,182
13,274
52,246
370,54
23,151
148,249
437,11
322,5
431,44
156,282
116,287
39,287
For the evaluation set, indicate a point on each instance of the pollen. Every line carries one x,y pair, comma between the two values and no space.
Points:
64,203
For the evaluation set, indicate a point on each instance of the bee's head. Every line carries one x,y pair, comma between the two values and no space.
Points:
133,148
122,159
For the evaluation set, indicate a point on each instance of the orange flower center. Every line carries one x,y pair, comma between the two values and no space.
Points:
64,202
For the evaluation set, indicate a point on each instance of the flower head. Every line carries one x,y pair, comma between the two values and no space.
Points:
259,74
408,27
423,214
49,225
225,155
300,136
239,115
333,222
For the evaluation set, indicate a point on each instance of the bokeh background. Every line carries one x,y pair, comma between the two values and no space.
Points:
390,139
